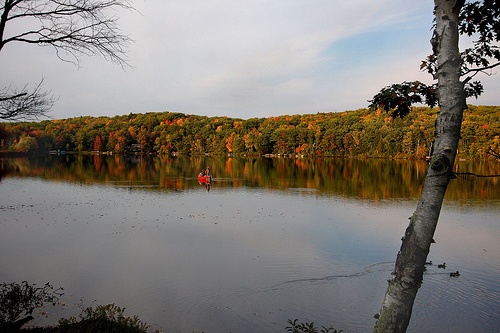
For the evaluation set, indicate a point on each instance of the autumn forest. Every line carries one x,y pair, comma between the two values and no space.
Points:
360,133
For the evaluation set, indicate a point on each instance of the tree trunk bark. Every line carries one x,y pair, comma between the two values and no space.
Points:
398,302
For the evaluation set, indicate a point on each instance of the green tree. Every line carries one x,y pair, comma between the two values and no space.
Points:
453,70
263,142
26,144
238,144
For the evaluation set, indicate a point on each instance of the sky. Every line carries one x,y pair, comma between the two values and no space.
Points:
241,59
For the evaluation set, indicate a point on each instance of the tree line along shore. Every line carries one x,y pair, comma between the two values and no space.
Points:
359,133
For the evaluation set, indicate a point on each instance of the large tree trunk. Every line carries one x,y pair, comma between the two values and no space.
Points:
398,302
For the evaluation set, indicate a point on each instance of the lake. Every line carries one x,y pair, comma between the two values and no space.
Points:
270,240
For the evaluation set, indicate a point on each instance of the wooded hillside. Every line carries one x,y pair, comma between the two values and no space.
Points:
360,133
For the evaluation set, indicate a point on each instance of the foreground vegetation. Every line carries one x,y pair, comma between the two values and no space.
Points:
360,133
21,299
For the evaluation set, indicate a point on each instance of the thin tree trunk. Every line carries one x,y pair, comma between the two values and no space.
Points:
398,302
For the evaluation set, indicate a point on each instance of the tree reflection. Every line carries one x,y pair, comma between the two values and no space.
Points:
367,179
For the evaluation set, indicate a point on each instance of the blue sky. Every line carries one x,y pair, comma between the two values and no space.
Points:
242,59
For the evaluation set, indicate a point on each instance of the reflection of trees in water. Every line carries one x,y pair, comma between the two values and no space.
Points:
3,171
373,179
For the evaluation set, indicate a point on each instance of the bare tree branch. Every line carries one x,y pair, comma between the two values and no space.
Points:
76,27
476,71
73,27
6,98
24,105
493,153
465,175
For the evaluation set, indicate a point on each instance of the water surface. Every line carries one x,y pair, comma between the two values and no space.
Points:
272,240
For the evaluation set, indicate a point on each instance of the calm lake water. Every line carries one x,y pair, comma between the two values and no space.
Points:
272,239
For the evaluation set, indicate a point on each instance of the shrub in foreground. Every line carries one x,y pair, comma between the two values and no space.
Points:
103,318
18,299
297,327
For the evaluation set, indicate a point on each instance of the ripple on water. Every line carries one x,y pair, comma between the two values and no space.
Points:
468,303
